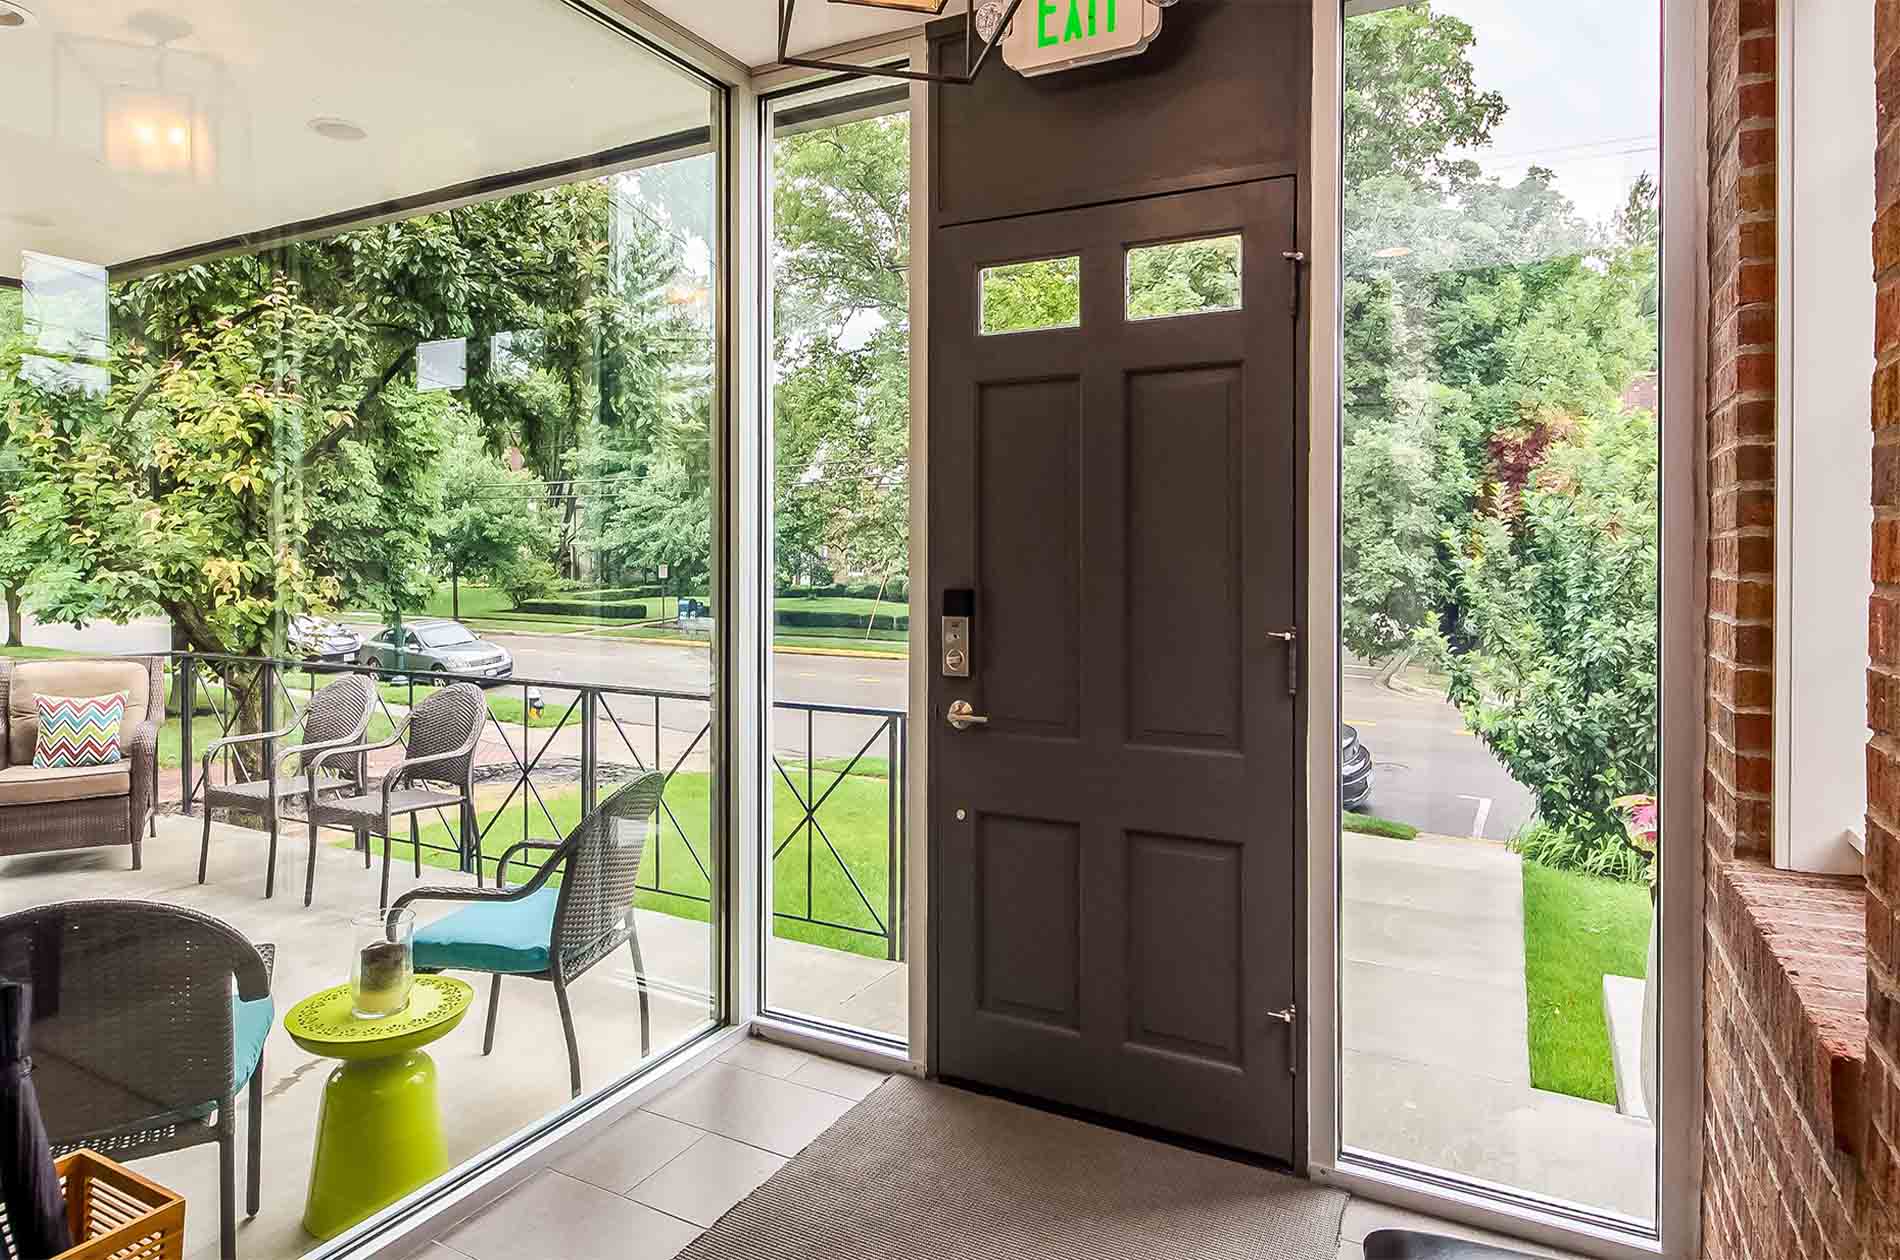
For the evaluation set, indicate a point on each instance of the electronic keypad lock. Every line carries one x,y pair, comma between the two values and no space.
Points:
959,609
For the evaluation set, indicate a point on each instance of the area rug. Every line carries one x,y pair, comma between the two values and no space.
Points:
925,1172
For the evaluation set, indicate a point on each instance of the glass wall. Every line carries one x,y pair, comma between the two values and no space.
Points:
1498,596
840,385
375,406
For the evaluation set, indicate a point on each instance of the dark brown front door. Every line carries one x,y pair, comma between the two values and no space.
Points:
1114,880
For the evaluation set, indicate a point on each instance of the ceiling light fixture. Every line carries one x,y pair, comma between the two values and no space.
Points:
337,129
14,16
973,60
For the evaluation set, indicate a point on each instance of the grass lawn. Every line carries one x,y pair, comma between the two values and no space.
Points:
1367,825
506,708
1577,929
854,818
35,653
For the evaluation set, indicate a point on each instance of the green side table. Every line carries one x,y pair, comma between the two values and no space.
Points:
379,1133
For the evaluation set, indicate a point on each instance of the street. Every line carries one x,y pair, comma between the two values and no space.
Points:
1430,772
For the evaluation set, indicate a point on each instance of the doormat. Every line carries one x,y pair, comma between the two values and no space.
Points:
919,1171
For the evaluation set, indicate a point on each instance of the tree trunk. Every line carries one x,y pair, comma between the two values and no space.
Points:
14,617
178,700
1393,664
870,627
455,593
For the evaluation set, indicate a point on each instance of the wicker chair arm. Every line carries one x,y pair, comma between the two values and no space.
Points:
140,742
324,746
268,952
231,741
442,892
400,771
391,742
501,869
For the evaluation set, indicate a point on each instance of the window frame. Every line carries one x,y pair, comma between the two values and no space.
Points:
1682,720
1823,360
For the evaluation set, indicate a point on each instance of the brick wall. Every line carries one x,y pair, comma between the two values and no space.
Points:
1741,449
1802,1126
1880,1198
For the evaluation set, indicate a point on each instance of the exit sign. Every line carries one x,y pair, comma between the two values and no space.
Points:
1050,35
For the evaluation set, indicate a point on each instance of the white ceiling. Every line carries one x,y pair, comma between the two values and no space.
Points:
447,91
747,30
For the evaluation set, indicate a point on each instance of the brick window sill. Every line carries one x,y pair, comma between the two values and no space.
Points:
1799,942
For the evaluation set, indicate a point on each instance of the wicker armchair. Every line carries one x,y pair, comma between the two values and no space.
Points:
140,1043
541,932
438,740
44,809
336,716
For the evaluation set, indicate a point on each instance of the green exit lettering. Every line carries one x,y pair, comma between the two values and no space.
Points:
1080,22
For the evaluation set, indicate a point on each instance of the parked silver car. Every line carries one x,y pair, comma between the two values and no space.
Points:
314,639
435,645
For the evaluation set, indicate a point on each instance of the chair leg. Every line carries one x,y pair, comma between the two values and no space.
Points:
270,872
415,846
384,903
253,1193
310,871
640,983
494,1005
204,846
573,1048
227,1172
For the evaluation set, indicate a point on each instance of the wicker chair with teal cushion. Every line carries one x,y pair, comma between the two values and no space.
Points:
148,1021
576,909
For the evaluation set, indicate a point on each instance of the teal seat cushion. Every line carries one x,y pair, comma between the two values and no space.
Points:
250,1026
505,936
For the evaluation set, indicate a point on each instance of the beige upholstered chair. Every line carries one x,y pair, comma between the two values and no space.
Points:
90,806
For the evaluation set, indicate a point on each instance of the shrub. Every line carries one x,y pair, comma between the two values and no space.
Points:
1554,847
1559,605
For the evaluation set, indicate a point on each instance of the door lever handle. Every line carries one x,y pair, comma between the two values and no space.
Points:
1290,637
963,717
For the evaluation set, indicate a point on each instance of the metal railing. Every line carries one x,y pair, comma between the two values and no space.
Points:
612,724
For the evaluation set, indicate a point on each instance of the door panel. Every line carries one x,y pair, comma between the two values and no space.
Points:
1114,850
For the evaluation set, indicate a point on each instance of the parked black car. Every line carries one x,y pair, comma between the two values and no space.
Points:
435,645
1355,769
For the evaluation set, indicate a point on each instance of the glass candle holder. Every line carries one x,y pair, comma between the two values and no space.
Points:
383,968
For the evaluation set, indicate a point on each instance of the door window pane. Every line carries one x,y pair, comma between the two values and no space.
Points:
1184,278
1031,296
1498,597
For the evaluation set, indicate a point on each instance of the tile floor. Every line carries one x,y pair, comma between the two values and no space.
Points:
649,1185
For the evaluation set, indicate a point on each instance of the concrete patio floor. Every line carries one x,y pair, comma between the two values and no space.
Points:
1435,1028
484,1100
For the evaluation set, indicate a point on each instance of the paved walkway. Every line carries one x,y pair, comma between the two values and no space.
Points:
1435,1027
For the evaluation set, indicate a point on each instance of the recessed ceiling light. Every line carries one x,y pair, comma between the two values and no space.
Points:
332,128
13,16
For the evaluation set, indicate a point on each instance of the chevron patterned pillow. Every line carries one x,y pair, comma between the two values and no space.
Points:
78,732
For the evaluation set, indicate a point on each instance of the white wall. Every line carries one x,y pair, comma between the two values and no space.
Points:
1823,465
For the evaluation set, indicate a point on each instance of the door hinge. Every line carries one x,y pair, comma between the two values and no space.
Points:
1290,1016
1296,259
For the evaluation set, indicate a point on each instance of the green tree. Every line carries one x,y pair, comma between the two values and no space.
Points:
493,524
16,559
841,405
1559,599
1411,99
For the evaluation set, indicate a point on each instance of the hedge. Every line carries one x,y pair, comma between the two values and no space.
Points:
844,620
566,608
897,590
